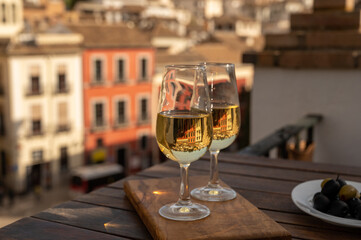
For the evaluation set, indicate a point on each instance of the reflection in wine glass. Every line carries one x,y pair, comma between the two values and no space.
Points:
226,123
184,131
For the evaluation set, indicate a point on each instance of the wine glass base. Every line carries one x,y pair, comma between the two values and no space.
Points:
213,194
178,212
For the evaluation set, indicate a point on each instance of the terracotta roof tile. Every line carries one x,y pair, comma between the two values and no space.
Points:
162,31
105,36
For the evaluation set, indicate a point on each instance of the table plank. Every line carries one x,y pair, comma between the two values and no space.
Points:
291,164
233,180
303,232
88,216
294,175
307,221
107,197
31,228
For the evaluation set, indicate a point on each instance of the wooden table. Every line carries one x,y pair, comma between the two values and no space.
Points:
267,183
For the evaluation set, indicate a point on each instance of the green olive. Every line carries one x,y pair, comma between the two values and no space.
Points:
325,181
347,192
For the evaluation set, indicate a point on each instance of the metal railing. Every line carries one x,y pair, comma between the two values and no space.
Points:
280,138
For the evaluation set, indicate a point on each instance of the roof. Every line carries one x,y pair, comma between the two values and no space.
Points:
132,8
111,36
29,49
58,28
162,31
163,57
231,19
221,48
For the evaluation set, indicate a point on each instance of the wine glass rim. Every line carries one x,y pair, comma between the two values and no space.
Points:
223,64
190,66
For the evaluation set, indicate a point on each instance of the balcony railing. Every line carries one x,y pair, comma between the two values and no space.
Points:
143,80
98,126
143,120
62,90
34,133
96,82
34,92
120,81
279,139
63,128
120,124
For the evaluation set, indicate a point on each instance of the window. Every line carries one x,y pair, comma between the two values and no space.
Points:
2,124
1,80
36,127
144,142
3,163
100,142
121,70
36,120
13,6
62,117
121,112
37,156
99,114
62,79
98,70
144,69
3,9
63,158
144,109
35,86
35,81
122,157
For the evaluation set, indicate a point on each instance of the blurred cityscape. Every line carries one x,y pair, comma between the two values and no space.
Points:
79,83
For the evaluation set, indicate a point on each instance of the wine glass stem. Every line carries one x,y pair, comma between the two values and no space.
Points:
214,181
184,196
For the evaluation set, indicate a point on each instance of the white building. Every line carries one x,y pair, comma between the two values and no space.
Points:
41,116
11,17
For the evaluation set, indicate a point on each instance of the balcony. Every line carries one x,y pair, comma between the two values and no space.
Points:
118,81
62,90
97,82
34,92
98,126
144,120
120,124
35,133
143,80
66,127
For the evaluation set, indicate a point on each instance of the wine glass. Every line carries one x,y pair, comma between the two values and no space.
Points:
226,123
184,130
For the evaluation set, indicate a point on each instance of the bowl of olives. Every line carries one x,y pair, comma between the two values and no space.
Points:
332,200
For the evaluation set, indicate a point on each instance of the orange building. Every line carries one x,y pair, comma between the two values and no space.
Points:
118,65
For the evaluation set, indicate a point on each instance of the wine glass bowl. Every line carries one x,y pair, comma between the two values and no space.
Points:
226,124
184,130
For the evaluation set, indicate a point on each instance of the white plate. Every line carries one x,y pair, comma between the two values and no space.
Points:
302,196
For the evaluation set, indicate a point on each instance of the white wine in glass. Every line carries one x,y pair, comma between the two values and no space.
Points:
184,131
226,123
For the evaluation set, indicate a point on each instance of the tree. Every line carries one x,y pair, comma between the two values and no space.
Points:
70,4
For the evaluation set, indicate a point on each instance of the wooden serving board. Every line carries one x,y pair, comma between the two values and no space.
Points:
234,219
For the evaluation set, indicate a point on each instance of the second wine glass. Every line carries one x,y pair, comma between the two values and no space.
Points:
226,123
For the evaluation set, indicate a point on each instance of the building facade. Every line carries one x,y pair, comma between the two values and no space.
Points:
40,110
11,17
117,96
